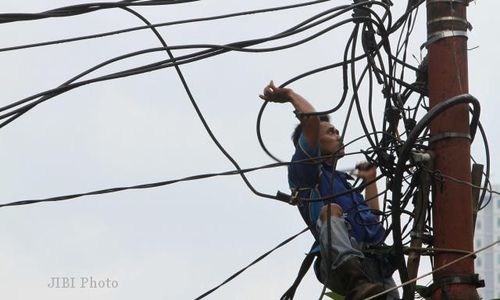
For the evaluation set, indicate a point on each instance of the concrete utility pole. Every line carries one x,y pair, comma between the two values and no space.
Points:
452,205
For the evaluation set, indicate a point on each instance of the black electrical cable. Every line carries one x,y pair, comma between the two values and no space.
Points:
151,67
344,64
173,181
251,264
488,164
146,186
84,8
342,99
402,19
411,27
127,30
69,86
401,165
199,113
356,96
410,21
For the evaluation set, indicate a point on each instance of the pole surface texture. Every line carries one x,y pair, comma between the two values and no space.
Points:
452,203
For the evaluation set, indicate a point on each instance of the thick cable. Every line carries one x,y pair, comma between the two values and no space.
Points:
132,29
401,165
83,8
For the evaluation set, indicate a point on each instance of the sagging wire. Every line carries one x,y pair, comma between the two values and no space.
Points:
401,166
214,50
344,64
184,179
83,8
251,264
439,174
164,24
200,114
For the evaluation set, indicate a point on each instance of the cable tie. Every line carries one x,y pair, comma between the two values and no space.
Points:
386,91
472,279
360,12
392,114
410,124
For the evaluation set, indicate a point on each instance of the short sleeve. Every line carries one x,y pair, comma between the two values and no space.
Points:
304,174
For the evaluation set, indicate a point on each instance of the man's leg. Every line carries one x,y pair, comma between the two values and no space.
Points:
389,283
341,261
373,270
340,249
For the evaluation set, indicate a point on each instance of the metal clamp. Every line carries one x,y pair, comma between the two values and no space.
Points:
464,2
426,237
452,19
438,35
449,135
419,156
442,282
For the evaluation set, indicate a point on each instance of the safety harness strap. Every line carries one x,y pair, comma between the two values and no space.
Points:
306,265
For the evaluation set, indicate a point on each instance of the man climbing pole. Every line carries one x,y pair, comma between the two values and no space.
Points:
345,225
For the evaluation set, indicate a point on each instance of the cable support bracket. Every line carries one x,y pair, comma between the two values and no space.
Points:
440,283
451,19
451,2
421,156
431,251
426,237
439,35
449,135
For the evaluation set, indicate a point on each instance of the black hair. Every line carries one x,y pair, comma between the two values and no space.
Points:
298,129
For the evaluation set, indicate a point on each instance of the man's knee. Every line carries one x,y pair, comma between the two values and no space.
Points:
335,209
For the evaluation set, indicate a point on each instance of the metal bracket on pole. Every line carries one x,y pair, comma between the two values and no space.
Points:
449,135
451,19
464,2
439,35
421,157
466,279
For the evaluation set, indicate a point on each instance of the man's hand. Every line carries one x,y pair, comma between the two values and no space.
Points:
310,125
366,171
276,94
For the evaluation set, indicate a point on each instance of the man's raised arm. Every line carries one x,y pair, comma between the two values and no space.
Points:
310,124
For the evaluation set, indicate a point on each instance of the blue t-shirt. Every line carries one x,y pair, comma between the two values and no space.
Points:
314,180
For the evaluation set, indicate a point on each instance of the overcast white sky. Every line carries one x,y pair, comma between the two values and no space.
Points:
172,242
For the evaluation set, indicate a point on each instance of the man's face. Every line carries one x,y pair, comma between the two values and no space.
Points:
329,140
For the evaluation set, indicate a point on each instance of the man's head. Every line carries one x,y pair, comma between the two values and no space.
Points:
329,137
